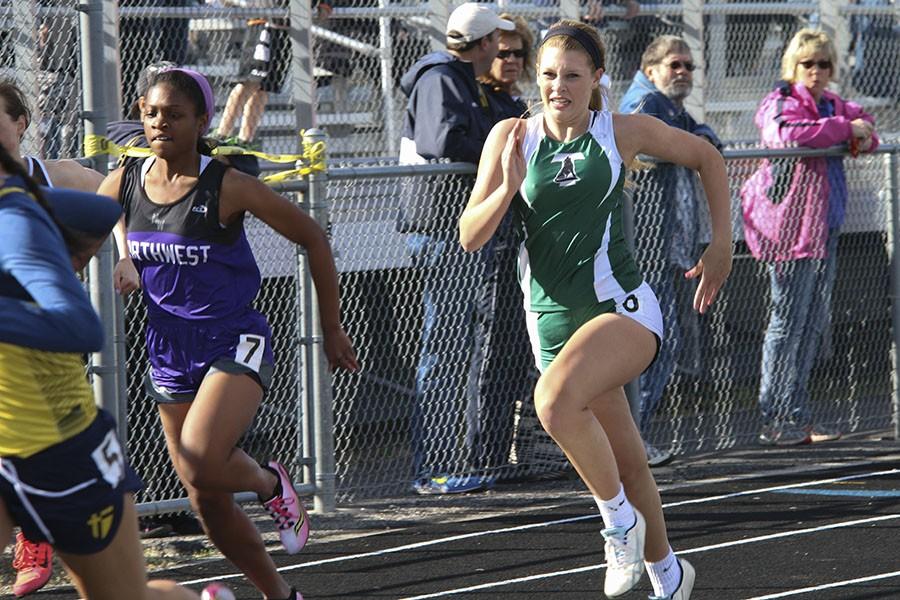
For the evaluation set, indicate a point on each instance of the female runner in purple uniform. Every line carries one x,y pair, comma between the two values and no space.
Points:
210,352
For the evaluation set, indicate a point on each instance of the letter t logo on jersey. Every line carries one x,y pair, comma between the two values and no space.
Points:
567,175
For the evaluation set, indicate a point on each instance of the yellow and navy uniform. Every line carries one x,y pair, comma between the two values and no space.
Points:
63,475
44,399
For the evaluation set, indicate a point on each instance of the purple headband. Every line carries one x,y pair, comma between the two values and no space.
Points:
204,87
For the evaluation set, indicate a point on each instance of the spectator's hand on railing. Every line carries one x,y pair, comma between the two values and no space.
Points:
713,269
125,277
322,12
339,349
862,129
865,144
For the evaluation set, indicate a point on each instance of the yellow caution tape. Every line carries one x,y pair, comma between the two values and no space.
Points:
313,155
98,144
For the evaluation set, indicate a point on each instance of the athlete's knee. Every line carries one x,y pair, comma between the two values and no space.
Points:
556,406
209,503
197,470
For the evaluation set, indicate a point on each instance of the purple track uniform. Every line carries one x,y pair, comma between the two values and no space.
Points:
198,279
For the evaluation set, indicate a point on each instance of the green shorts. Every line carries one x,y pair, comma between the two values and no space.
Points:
549,331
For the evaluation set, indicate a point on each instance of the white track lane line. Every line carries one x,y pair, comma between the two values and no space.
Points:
827,586
465,536
753,540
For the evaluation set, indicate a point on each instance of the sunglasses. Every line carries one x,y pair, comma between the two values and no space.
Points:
822,64
504,54
677,64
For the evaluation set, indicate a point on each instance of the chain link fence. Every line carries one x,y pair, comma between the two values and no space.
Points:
364,48
40,51
710,401
354,56
384,436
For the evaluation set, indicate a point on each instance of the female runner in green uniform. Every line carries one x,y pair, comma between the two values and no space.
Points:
593,322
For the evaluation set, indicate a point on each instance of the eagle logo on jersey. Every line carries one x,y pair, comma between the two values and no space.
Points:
567,175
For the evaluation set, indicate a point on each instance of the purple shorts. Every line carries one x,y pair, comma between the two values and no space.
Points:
182,353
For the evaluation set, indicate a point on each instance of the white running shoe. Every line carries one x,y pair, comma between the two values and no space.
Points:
657,457
624,556
685,586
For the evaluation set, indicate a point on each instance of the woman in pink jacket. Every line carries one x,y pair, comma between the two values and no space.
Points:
793,210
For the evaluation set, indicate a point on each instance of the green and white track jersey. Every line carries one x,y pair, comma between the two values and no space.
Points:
574,253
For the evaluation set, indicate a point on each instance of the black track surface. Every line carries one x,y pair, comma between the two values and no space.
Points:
745,539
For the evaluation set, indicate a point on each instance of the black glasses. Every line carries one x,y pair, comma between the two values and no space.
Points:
822,64
504,54
677,64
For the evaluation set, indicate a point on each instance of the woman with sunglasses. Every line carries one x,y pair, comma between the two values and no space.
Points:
511,66
594,322
793,210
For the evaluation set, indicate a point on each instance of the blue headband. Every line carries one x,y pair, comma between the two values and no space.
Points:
590,46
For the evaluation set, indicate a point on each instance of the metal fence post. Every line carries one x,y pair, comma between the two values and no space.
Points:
438,13
319,378
892,176
302,83
385,43
837,26
104,366
633,387
694,35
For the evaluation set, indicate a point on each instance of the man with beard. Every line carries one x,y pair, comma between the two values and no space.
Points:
667,205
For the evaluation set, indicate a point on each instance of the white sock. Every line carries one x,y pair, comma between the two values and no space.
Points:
665,575
617,511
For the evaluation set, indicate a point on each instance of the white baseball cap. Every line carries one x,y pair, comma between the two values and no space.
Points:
472,21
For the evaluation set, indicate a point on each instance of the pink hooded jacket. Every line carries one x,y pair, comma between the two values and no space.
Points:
785,202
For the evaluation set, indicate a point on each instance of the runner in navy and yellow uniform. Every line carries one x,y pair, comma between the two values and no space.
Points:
210,353
63,476
594,323
33,561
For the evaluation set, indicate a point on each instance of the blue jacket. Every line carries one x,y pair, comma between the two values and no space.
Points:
42,303
643,97
669,208
448,114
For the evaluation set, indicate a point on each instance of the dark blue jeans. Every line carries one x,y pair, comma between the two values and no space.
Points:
680,343
801,304
450,351
507,371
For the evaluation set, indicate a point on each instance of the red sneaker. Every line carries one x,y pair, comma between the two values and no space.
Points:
33,565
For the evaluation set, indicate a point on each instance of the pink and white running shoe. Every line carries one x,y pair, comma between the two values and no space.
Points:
217,591
288,512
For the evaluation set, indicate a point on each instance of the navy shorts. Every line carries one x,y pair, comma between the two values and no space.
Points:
71,494
181,354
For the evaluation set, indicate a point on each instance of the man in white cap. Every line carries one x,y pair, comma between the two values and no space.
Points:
448,116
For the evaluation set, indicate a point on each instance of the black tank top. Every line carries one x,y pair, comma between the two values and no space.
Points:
191,266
